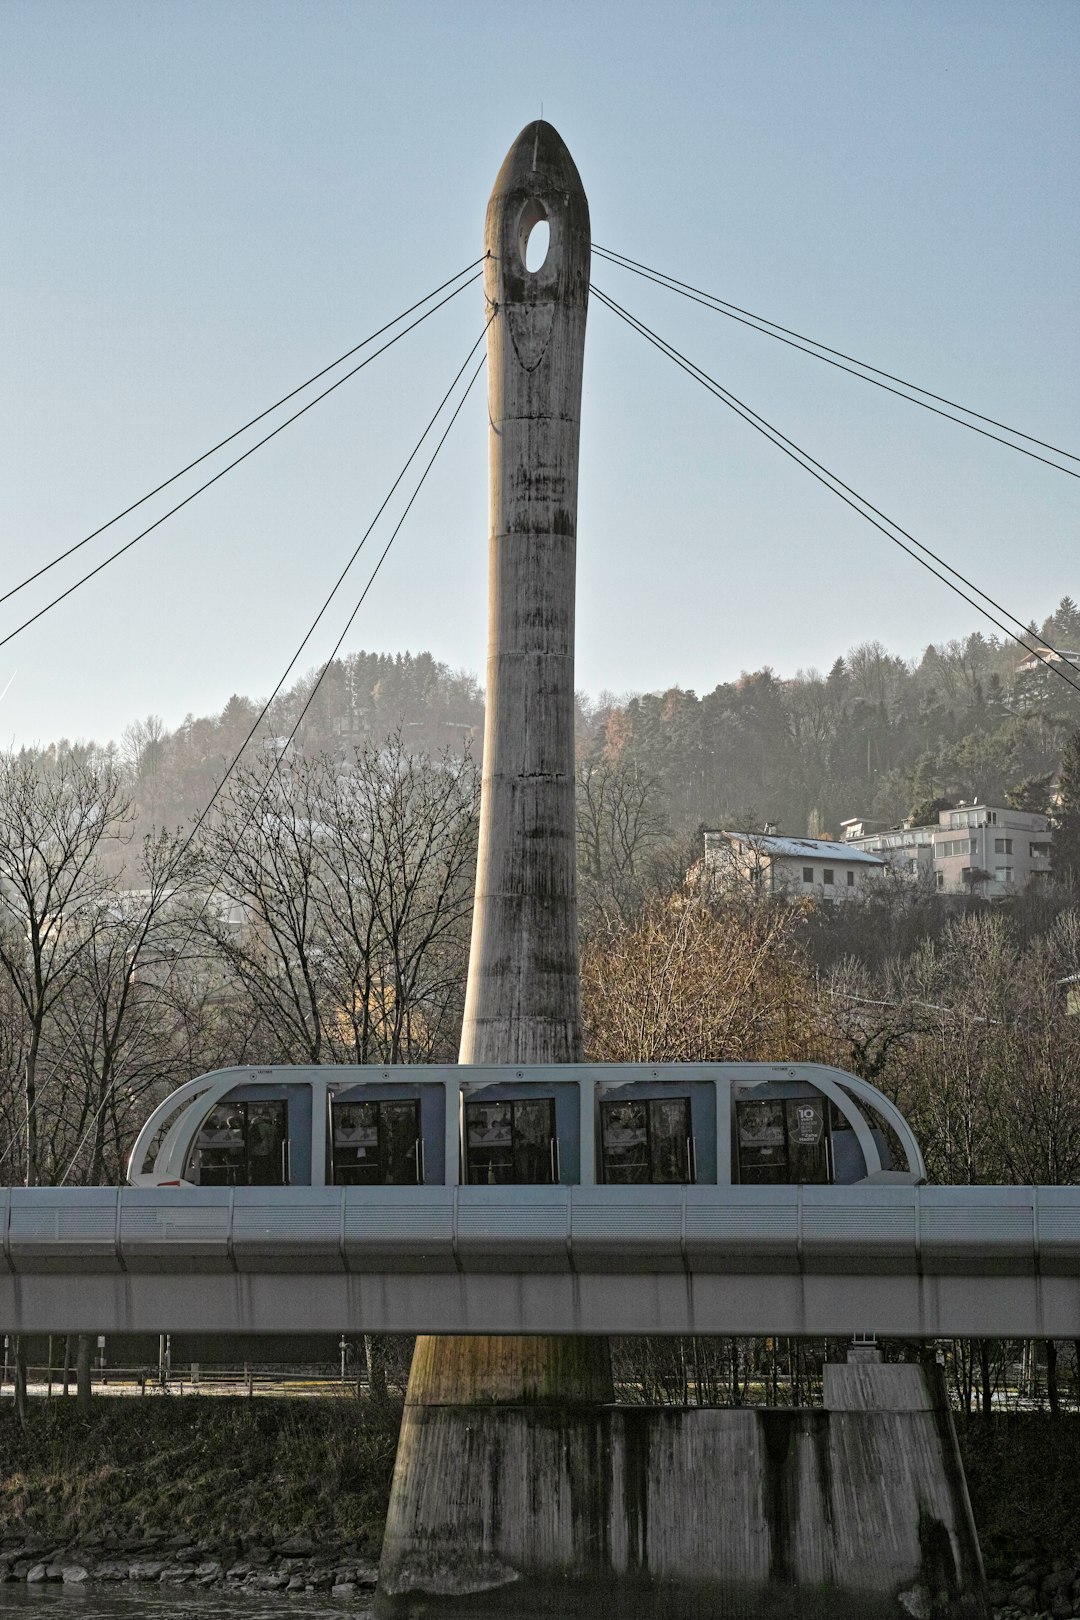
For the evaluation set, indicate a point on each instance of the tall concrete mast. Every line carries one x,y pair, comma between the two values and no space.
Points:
523,1003
470,1399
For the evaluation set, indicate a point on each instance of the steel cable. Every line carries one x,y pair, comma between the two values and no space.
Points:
299,389
760,323
852,498
201,819
119,552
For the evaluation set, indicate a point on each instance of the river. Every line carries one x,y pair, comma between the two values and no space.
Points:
55,1602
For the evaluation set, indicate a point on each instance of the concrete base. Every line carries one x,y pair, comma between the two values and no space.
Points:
855,1511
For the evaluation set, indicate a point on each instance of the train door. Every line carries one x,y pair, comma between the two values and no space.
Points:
375,1143
646,1140
511,1141
242,1144
783,1140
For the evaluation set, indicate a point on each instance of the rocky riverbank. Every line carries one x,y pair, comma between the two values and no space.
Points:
268,1495
1030,1588
343,1569
295,1564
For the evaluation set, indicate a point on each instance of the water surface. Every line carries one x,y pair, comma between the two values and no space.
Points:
52,1601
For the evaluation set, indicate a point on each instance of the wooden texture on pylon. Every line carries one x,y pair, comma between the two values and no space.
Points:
525,1370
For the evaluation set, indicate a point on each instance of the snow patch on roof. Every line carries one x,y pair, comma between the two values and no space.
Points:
811,849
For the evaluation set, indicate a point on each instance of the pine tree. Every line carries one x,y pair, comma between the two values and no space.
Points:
1067,624
1065,848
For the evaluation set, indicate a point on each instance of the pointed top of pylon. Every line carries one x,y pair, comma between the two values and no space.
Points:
539,159
538,181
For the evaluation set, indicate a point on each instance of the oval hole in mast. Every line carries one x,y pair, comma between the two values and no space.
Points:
534,236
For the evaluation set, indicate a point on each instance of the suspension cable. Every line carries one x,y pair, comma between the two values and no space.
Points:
276,767
852,498
200,821
119,552
299,389
784,334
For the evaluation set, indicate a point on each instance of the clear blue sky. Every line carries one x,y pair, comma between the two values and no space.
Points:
203,202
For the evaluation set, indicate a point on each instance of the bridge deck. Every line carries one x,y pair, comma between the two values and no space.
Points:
894,1259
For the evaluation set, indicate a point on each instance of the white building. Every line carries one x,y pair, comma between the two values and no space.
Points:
775,863
976,848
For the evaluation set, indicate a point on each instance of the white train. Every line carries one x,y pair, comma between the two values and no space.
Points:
718,1124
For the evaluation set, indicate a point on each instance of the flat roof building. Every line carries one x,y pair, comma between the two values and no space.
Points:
983,849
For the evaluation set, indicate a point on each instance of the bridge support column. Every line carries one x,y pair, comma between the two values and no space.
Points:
471,1401
855,1512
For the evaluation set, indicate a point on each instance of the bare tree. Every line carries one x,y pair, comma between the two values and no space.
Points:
694,982
261,862
342,899
57,818
117,1025
400,851
622,834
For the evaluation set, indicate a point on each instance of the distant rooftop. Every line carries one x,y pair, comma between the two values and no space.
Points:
819,849
1047,655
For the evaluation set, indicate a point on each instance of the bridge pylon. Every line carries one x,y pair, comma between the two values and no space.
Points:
523,999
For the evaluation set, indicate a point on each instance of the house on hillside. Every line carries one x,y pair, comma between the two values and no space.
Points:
776,863
1037,677
984,849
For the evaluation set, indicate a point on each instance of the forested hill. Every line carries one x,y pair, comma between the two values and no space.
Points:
877,735
363,697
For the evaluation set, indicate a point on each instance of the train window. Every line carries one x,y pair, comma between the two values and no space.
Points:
510,1142
783,1140
646,1140
375,1143
242,1144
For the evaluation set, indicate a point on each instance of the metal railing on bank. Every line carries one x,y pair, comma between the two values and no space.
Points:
980,1375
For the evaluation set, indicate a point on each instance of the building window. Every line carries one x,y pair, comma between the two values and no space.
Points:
1035,850
1003,846
808,874
1003,874
828,875
851,880
941,880
992,818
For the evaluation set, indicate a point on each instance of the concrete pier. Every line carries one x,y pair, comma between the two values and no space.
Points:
854,1512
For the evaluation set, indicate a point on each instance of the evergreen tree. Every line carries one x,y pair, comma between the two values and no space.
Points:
1032,794
1067,625
1065,848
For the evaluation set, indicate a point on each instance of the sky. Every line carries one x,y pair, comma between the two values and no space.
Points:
205,201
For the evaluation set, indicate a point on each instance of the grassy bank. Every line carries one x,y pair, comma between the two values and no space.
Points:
212,1469
218,1468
